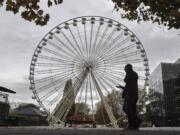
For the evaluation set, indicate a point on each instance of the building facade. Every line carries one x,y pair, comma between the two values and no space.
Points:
164,84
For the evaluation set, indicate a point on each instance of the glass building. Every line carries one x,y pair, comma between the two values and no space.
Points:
164,84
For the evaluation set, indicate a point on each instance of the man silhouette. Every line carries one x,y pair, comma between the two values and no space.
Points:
130,95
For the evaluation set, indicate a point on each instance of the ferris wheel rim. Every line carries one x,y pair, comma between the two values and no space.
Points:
32,61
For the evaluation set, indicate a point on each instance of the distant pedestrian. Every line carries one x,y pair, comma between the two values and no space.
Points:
130,95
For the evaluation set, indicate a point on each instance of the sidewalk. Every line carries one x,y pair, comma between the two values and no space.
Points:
86,131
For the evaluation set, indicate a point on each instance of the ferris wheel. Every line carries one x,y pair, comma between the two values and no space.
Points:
82,60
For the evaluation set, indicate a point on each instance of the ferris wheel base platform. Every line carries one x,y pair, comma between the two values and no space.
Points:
87,131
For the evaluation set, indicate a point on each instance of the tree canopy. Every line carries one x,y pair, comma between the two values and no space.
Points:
165,12
30,10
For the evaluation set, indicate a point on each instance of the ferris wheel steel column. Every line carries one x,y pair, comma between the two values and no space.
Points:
107,107
63,107
77,85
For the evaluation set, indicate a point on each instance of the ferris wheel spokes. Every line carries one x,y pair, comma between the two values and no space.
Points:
69,50
62,108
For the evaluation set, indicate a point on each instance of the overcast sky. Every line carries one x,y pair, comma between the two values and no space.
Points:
19,38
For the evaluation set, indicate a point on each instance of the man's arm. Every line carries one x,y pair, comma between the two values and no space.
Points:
124,93
120,86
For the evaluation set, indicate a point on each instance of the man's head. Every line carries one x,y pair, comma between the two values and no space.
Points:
128,68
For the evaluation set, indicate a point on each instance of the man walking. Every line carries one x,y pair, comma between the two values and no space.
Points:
130,95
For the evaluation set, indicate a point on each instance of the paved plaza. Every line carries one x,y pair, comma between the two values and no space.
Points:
86,131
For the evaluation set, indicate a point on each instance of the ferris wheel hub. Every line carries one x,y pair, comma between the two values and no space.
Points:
89,68
88,65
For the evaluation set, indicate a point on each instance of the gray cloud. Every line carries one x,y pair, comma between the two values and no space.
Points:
19,38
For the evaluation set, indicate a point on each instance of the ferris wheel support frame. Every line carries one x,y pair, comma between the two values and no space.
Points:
107,107
66,103
63,107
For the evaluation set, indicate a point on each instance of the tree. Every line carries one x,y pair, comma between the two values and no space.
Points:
79,109
156,108
114,99
165,12
29,9
143,98
82,108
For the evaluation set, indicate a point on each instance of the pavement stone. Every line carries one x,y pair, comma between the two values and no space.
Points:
86,131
